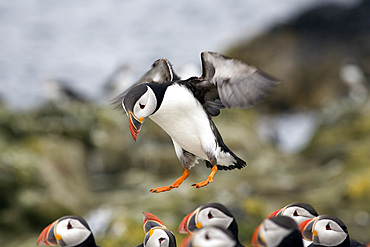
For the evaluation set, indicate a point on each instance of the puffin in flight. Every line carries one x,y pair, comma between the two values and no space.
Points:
67,231
156,233
184,108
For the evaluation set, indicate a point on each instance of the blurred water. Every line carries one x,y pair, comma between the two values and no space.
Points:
83,42
289,132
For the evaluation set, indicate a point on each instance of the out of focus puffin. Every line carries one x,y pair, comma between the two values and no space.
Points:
67,231
156,233
210,236
325,231
210,214
184,108
299,212
279,231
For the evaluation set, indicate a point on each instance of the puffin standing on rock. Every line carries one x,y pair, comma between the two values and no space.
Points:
184,108
67,231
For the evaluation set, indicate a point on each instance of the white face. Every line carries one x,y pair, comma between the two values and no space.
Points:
329,233
158,238
212,237
214,217
145,105
72,232
298,214
272,233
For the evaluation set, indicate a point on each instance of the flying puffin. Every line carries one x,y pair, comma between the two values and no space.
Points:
325,231
184,108
279,231
210,214
299,212
210,236
67,231
156,233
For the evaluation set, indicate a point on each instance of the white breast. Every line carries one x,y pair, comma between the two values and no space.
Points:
185,120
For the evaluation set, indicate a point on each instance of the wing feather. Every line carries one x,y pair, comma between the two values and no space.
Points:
238,84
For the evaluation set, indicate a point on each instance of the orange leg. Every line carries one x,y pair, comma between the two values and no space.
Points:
176,184
208,180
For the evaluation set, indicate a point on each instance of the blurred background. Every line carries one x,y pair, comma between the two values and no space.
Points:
65,150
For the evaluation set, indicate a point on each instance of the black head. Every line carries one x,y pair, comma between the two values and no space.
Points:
68,231
325,230
277,231
141,102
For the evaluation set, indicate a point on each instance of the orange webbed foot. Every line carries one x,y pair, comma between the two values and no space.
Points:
162,189
208,180
203,183
176,184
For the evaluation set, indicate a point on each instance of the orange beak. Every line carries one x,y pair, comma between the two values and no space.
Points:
186,241
135,124
183,228
306,228
47,236
257,240
151,221
189,224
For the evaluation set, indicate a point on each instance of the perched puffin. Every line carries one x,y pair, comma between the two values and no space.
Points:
184,108
279,231
326,230
67,231
299,212
156,233
210,236
210,214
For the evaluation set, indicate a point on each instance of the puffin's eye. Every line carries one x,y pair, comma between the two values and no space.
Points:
141,106
69,226
295,213
207,237
328,227
210,216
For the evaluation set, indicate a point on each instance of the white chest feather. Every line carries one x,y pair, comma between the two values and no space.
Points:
185,120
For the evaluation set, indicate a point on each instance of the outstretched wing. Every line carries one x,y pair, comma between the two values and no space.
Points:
160,72
227,82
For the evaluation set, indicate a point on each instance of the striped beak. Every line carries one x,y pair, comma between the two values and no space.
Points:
278,212
151,221
48,236
257,239
189,224
135,124
307,229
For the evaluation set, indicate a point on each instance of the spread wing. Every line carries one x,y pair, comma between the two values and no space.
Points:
227,82
160,72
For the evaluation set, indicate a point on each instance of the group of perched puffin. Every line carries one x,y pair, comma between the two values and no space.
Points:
213,225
